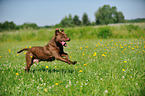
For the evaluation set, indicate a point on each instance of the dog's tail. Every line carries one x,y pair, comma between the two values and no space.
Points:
23,50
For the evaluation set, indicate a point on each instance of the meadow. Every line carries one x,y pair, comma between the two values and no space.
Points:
108,66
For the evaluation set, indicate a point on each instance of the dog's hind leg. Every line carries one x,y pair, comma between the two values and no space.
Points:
29,61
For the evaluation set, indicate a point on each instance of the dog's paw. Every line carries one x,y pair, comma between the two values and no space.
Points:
74,62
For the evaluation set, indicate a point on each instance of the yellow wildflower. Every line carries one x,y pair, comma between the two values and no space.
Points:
94,54
29,46
55,66
56,83
121,47
103,55
0,56
46,66
17,73
9,51
80,71
85,64
123,69
96,45
125,61
81,48
17,54
86,46
45,90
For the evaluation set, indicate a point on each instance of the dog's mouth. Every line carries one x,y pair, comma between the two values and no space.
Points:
63,43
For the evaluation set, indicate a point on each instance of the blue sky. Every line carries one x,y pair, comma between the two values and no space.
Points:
50,12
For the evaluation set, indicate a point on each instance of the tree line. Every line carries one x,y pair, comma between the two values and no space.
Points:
104,15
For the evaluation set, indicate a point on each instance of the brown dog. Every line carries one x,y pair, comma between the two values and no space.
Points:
53,50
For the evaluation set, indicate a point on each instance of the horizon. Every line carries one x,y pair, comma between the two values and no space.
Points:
49,13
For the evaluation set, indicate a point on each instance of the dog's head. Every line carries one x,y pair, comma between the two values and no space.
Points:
61,37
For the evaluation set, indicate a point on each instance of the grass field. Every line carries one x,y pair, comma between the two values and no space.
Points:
109,67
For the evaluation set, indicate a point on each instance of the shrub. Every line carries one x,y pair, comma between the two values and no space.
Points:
104,32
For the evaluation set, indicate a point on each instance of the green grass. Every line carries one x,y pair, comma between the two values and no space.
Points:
113,67
89,32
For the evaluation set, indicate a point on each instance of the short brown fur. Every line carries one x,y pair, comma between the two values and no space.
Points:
53,50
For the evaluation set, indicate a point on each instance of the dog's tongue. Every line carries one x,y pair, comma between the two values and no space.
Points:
63,43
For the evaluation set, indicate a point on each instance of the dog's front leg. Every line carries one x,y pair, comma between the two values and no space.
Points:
58,57
66,55
65,60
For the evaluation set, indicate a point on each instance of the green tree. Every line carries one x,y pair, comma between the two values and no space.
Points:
85,19
120,17
8,25
107,14
67,21
76,20
29,25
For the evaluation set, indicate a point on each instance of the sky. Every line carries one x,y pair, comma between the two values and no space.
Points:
51,12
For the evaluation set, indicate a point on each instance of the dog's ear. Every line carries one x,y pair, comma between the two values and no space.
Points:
56,31
62,30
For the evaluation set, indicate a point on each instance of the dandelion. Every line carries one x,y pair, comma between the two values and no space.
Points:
25,53
81,48
17,54
45,90
29,46
94,54
46,66
17,73
55,66
83,53
0,56
9,51
85,64
103,55
132,48
123,69
121,47
86,46
80,71
69,56
124,61
96,45
31,56
56,83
